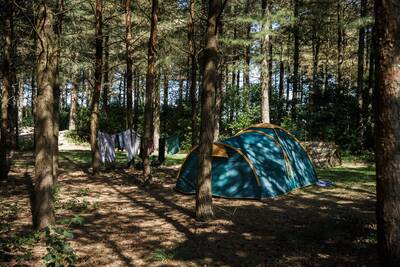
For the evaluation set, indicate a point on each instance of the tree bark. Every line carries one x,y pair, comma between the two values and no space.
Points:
340,52
246,54
94,107
156,133
136,100
360,75
265,66
43,206
5,140
57,84
281,86
129,62
204,209
193,72
18,111
106,79
296,59
74,104
150,88
387,14
369,109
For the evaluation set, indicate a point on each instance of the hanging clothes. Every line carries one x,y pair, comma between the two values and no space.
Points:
173,145
119,141
131,143
106,144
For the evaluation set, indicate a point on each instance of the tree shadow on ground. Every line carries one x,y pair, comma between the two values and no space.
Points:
314,226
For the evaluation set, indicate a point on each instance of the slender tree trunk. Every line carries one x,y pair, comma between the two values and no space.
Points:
368,95
387,14
180,92
219,91
43,207
204,209
316,45
340,58
57,85
246,54
265,71
193,72
19,107
360,75
281,86
156,134
150,88
33,92
94,107
136,105
128,26
74,104
165,104
296,59
5,142
106,79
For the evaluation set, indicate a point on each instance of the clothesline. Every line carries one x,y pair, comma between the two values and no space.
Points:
128,140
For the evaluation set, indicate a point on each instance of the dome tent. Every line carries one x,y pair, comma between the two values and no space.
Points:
261,161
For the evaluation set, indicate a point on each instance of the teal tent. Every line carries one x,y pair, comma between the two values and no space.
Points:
173,145
261,161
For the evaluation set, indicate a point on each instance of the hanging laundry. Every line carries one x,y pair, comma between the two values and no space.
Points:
106,143
119,141
131,143
173,145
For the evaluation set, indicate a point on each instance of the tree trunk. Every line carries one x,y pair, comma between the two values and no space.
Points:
281,86
43,206
246,54
339,89
218,102
94,107
128,26
136,105
296,59
193,73
74,104
387,14
5,142
360,75
57,85
204,209
265,71
19,111
150,88
316,45
368,95
156,134
106,79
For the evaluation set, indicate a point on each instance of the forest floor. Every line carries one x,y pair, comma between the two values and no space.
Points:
116,220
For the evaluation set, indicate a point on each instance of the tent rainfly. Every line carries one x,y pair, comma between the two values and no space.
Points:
261,161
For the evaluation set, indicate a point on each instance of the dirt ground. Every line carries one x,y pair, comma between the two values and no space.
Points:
131,224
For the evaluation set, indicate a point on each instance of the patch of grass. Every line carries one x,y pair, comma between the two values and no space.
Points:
83,192
162,255
75,156
363,177
79,205
364,156
174,159
75,220
59,252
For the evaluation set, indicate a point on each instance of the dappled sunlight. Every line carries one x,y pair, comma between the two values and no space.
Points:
126,222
